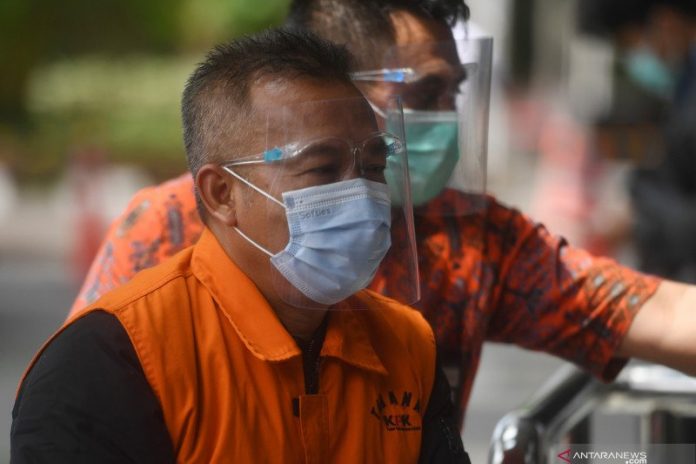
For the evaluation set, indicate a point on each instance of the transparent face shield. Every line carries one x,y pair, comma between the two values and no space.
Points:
445,89
322,202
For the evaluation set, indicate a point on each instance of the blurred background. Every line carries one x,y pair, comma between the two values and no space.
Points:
590,133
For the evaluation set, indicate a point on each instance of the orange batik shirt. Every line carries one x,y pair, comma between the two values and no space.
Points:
491,276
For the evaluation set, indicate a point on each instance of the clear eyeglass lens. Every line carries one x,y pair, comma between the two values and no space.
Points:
374,153
338,158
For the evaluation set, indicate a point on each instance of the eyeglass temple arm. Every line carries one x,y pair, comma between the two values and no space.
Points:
268,156
385,75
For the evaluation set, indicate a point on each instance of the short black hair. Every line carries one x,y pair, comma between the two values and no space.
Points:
607,17
685,7
216,96
365,26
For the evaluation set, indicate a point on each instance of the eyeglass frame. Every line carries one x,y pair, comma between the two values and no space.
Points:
275,154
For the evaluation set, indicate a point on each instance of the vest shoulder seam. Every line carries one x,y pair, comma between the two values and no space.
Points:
125,303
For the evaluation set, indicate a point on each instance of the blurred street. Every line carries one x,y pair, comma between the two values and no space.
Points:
34,301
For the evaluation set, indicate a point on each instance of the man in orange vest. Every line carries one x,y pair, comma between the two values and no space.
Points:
491,275
228,352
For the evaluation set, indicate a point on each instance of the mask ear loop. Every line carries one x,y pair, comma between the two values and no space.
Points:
245,236
248,239
253,186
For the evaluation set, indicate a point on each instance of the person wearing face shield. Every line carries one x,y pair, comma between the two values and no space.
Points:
655,84
259,343
487,271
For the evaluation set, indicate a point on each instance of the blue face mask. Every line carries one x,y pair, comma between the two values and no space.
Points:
648,71
433,151
339,234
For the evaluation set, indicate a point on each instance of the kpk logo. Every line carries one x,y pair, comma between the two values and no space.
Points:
399,412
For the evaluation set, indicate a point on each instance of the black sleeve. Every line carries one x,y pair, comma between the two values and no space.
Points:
87,400
441,440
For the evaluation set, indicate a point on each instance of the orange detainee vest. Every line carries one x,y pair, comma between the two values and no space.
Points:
226,372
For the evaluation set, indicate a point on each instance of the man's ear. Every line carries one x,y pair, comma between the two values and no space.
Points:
216,190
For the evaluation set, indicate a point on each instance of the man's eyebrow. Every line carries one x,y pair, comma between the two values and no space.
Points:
459,75
428,80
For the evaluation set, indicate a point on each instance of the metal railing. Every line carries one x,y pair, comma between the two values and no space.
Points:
663,402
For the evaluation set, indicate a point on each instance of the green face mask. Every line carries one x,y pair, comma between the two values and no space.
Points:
648,71
433,151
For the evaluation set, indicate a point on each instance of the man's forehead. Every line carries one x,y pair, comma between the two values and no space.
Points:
421,41
296,109
349,118
410,29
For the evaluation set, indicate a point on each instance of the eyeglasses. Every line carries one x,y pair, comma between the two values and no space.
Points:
331,159
399,75
426,89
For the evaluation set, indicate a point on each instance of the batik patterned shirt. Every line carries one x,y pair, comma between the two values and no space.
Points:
490,275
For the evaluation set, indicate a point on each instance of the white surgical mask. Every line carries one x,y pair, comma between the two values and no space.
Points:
339,234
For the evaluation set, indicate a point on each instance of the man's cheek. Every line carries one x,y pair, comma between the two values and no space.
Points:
277,226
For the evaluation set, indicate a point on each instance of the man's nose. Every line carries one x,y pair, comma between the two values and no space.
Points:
356,168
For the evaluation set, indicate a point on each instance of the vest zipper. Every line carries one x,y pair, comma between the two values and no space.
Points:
311,354
312,379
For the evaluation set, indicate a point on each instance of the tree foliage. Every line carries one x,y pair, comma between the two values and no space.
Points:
108,73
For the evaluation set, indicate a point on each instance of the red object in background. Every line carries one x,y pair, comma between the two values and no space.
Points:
85,180
561,198
567,171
